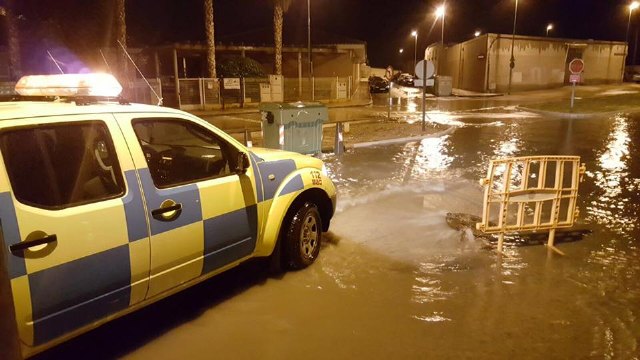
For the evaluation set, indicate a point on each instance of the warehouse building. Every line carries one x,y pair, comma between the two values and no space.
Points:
483,63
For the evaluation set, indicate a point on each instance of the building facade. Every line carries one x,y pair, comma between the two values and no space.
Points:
483,63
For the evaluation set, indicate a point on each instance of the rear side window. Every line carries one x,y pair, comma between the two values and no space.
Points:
61,165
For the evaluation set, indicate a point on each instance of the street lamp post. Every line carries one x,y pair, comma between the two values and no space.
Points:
440,14
634,5
512,61
549,27
309,48
414,33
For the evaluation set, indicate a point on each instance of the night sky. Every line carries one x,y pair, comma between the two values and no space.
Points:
384,24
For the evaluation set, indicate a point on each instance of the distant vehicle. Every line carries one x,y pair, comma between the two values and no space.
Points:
403,79
632,74
378,85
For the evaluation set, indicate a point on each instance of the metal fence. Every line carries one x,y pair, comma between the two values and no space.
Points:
140,91
251,88
203,93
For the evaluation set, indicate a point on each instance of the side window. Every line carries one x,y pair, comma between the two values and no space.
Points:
61,165
179,151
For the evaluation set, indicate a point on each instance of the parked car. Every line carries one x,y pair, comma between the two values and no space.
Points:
106,206
403,79
632,73
378,85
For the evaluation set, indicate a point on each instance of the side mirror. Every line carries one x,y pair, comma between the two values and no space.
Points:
242,163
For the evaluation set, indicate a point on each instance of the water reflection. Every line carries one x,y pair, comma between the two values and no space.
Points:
611,180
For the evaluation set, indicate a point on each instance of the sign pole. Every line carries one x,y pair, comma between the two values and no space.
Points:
424,69
573,93
390,100
424,94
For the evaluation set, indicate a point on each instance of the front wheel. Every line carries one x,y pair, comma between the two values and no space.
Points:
303,236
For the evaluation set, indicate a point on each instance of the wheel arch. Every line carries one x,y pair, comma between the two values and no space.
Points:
273,227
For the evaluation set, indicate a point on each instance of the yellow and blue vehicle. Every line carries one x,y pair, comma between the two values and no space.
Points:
106,207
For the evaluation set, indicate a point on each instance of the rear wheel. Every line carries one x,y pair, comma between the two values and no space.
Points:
301,241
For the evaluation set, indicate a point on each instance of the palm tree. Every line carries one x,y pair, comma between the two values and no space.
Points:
211,40
13,39
279,8
121,34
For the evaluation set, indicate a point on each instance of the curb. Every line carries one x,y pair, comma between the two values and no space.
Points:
556,114
402,140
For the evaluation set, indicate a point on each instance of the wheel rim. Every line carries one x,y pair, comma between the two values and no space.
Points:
309,236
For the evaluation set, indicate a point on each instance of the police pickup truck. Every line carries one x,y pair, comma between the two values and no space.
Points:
106,206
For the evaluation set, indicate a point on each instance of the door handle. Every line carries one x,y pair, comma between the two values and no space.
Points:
167,213
24,245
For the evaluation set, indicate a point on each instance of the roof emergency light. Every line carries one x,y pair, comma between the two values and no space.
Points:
69,85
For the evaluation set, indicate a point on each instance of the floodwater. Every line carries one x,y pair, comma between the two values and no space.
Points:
394,282
472,303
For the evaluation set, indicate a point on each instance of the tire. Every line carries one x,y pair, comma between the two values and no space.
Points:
302,238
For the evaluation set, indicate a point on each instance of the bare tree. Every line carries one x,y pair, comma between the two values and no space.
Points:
15,68
279,8
211,40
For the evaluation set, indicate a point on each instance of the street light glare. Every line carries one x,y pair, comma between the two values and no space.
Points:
634,5
477,33
414,33
440,11
401,51
549,27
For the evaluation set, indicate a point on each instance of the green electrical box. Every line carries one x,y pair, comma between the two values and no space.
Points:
295,126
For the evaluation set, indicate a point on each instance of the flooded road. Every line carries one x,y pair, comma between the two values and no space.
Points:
473,303
393,281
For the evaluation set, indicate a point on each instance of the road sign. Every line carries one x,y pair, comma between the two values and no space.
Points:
431,69
576,66
574,78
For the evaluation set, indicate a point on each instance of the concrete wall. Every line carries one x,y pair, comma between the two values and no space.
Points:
604,63
539,64
482,63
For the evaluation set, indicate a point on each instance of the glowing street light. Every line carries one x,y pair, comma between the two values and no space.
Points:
401,51
414,33
477,33
549,27
440,14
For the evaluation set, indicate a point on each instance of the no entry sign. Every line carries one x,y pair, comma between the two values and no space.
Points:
576,66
